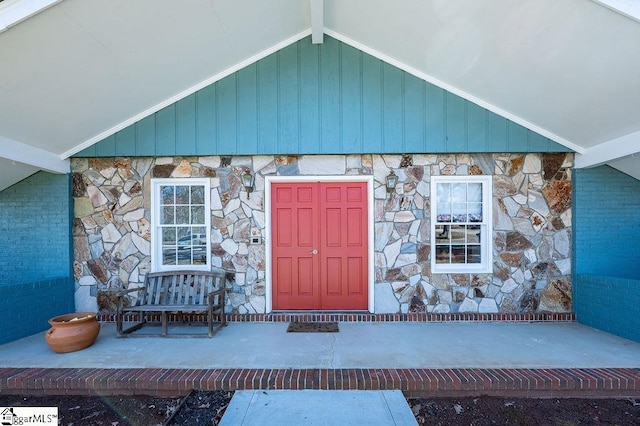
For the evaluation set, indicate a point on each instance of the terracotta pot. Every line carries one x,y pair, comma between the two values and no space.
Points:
72,332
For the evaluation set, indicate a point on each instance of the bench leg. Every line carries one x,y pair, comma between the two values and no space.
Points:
119,323
163,317
123,332
210,321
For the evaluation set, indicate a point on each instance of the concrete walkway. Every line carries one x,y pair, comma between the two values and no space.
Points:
316,407
356,345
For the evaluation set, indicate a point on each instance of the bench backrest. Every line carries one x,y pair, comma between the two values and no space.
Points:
179,287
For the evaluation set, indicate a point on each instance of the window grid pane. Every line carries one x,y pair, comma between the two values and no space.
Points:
459,203
182,207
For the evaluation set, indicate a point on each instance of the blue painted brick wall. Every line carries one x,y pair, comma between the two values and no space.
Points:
606,226
36,280
609,304
606,222
28,306
35,229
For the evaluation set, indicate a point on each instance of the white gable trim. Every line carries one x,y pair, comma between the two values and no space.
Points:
612,150
317,21
454,90
628,8
32,156
14,12
191,90
345,40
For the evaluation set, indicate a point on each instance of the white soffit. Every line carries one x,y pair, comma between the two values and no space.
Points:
567,69
455,91
12,172
76,71
82,67
628,165
182,95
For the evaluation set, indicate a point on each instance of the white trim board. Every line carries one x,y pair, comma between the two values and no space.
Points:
612,150
16,11
628,8
191,90
486,241
32,156
419,74
268,180
317,21
449,88
155,250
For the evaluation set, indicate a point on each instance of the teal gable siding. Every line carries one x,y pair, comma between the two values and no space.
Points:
320,99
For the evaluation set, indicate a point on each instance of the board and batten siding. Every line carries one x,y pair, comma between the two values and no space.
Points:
320,99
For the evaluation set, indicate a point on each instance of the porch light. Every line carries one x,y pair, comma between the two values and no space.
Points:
247,182
392,181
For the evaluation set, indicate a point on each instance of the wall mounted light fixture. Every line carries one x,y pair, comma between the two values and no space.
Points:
247,182
392,181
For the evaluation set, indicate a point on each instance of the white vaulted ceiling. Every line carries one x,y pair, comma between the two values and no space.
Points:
75,71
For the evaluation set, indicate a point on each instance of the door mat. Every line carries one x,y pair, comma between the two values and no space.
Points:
313,327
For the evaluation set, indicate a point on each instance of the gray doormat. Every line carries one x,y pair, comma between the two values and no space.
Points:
313,327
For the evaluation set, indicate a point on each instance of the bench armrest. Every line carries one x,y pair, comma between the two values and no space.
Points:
212,294
120,293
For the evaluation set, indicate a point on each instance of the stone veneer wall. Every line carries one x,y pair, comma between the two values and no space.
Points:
531,227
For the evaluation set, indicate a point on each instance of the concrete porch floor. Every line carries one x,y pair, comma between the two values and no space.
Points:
453,358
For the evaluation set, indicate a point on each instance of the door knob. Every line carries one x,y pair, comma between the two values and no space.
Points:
314,251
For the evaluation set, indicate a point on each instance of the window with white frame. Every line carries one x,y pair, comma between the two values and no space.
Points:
180,218
461,224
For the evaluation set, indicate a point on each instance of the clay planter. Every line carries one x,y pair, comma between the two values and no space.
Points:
72,332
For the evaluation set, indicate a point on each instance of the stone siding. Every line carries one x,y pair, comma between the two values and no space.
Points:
531,227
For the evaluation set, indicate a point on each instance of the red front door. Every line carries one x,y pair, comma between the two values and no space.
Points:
320,245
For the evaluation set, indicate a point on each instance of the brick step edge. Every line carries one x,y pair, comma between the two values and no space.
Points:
366,317
415,382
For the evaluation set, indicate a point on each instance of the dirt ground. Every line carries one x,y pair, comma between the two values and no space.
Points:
515,411
207,408
198,408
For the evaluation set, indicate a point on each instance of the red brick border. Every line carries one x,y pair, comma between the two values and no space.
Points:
537,383
368,317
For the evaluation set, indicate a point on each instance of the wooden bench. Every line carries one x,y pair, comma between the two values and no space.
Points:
181,292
